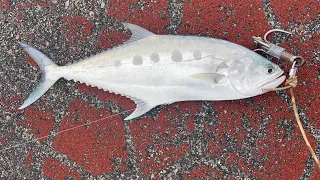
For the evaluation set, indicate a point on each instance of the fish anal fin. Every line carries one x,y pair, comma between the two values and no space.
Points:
211,78
141,108
137,32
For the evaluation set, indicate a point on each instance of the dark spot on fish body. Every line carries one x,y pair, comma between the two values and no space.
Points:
197,54
218,78
222,65
137,60
155,57
176,56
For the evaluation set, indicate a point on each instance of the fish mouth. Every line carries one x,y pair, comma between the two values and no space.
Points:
275,82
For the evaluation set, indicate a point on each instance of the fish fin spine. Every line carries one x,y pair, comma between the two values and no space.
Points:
142,107
137,32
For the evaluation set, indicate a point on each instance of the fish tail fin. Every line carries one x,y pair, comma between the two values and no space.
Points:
47,80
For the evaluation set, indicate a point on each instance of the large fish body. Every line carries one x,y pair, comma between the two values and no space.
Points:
161,69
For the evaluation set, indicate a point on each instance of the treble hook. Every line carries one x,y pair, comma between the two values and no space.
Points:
274,30
274,50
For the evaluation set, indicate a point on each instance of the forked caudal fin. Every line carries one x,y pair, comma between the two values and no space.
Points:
49,78
46,66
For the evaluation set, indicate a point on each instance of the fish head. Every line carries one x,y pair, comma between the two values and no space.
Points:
251,73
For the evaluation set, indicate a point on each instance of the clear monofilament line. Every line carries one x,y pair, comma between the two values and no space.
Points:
69,129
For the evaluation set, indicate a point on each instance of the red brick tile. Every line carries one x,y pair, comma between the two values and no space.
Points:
40,119
77,28
152,11
111,38
93,146
203,172
158,134
55,170
299,11
224,19
29,159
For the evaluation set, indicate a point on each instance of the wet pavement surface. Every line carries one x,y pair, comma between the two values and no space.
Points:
76,131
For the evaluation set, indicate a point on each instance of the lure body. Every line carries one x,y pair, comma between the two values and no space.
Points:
161,69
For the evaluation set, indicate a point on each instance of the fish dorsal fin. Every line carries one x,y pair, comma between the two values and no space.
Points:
137,32
141,108
211,78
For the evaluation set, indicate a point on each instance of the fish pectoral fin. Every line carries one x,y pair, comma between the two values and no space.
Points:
211,78
137,32
141,108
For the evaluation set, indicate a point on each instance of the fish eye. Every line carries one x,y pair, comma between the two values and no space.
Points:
270,69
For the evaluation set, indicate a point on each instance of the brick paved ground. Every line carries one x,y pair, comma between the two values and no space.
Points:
255,138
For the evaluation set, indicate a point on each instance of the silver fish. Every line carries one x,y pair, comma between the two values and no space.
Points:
161,69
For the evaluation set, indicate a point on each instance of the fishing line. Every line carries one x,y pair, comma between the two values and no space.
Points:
296,114
280,53
69,129
291,83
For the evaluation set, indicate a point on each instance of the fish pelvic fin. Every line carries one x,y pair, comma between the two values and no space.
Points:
48,78
141,108
210,78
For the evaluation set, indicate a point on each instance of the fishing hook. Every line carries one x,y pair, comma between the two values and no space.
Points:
274,30
276,51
